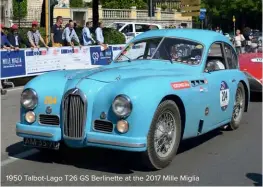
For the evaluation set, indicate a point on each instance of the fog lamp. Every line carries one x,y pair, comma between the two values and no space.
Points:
122,126
30,117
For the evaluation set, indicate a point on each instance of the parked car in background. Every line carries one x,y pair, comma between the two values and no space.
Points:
132,29
251,64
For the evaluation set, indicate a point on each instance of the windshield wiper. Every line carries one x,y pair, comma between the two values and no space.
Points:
170,58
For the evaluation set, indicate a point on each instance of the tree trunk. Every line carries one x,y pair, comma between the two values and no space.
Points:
43,17
95,12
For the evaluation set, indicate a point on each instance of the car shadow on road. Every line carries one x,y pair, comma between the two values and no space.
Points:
104,160
256,177
256,97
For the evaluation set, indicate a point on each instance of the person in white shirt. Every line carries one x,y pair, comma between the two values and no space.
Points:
99,34
69,35
239,38
87,38
100,37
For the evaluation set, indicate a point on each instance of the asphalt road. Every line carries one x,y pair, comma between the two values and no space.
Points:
216,158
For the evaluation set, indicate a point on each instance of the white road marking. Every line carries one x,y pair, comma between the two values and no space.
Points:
19,156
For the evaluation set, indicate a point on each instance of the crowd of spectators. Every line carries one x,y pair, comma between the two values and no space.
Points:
60,36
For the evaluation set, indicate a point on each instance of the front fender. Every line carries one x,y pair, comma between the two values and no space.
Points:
50,85
145,94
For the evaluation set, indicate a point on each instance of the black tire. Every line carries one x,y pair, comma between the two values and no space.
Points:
150,156
235,123
3,92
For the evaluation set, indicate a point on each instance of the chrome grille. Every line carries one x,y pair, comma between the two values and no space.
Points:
74,113
48,119
103,126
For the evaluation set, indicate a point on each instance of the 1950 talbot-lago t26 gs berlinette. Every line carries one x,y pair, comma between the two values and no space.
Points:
164,86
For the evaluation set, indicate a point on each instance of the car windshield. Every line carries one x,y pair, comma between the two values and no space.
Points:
176,50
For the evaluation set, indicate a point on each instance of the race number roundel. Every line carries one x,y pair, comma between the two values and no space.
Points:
224,95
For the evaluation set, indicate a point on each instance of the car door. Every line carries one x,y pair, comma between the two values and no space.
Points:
220,97
128,32
233,66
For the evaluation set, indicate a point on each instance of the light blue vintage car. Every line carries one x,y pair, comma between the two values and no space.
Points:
164,86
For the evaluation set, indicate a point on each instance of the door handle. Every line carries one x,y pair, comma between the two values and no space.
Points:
234,80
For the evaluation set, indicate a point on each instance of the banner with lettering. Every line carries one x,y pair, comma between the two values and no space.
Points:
99,57
12,64
28,62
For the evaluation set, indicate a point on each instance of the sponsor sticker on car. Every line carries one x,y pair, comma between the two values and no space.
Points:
224,95
180,85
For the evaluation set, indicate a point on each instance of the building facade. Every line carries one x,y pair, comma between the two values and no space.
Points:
6,12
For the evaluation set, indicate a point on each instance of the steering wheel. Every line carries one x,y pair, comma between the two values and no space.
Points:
142,56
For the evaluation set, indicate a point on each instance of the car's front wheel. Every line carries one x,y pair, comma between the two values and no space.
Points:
164,136
239,107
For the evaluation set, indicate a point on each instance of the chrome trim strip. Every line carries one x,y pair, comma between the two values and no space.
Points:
45,134
132,145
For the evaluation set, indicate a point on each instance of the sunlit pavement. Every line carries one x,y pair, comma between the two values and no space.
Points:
217,158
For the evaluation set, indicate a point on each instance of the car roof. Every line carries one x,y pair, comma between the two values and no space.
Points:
137,23
205,37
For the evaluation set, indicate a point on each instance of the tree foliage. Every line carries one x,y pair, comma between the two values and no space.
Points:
23,9
76,4
221,12
124,4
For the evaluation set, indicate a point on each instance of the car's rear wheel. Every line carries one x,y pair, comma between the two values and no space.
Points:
164,136
239,107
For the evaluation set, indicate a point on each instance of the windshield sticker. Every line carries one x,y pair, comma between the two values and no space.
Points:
224,95
180,85
199,47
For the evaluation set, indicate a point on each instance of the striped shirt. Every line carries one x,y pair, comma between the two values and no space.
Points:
34,36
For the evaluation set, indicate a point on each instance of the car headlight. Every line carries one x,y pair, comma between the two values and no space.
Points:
29,99
122,106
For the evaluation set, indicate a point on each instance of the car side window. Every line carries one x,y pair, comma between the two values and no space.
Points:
231,56
141,28
215,59
127,29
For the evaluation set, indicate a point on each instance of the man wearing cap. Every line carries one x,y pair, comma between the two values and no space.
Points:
56,33
15,39
34,36
5,44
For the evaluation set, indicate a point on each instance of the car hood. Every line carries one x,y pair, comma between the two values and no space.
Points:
134,69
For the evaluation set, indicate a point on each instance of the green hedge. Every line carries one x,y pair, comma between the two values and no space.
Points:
111,36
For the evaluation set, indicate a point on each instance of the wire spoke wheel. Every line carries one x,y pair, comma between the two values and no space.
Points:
165,134
239,104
